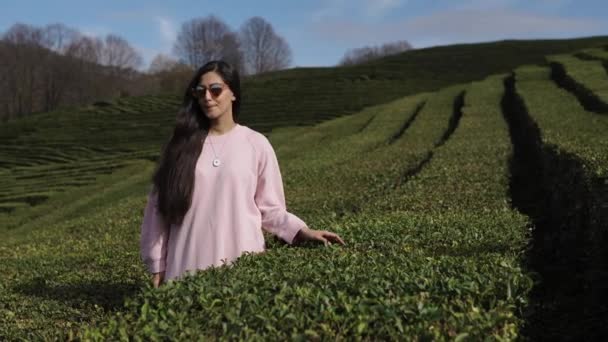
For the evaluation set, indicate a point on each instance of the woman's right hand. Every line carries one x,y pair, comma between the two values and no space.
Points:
157,279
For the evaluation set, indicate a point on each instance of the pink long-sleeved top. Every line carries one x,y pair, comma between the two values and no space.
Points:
231,204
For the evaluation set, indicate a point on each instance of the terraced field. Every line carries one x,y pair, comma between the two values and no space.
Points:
46,154
476,210
51,153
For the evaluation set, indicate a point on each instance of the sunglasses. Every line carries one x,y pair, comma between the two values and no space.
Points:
215,89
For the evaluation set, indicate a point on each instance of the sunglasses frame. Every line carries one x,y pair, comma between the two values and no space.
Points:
200,91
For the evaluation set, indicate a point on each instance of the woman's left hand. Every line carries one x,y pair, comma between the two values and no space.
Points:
317,235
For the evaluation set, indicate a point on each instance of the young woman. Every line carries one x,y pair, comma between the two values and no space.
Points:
217,185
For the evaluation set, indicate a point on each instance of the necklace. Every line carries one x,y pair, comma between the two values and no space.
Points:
216,161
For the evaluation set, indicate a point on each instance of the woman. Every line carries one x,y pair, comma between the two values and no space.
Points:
216,186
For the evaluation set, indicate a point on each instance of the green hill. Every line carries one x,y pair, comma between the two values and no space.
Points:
49,153
472,206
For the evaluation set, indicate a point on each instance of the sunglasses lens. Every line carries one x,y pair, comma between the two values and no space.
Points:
198,92
215,90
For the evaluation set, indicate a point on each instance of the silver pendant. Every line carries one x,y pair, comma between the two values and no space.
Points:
216,162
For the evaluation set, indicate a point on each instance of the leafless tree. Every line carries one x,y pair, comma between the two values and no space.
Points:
57,37
161,63
263,49
119,54
368,53
25,50
395,48
24,35
43,68
204,39
56,72
7,90
86,49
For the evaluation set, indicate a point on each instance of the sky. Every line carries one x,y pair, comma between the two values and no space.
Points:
319,32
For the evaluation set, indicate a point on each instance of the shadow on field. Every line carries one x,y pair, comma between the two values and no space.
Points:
407,123
457,106
586,57
109,296
567,251
589,101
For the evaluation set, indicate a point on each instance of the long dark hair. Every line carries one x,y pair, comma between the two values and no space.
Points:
174,176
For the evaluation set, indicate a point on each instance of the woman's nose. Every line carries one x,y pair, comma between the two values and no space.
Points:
208,96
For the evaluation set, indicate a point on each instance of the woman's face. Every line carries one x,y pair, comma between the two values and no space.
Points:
214,106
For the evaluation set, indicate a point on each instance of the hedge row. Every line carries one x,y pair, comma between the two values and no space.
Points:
435,274
586,79
563,175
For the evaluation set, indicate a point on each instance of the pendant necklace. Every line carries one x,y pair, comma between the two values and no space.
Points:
216,161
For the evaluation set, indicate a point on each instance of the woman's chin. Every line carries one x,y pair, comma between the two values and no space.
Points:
211,115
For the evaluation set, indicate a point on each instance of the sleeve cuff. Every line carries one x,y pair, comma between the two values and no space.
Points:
294,226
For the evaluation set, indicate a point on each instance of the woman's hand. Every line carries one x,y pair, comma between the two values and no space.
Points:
157,279
317,235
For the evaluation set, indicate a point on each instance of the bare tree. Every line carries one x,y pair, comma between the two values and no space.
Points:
231,51
263,49
85,48
368,53
6,76
86,53
43,68
24,35
54,77
56,73
395,48
57,37
161,63
204,39
119,54
25,52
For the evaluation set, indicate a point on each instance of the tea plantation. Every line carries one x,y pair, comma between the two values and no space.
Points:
471,191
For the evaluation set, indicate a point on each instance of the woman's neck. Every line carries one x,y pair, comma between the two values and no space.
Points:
221,127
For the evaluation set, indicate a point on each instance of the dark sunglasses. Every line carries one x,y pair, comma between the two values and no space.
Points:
215,89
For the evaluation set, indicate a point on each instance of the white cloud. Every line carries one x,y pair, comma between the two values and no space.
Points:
167,32
167,29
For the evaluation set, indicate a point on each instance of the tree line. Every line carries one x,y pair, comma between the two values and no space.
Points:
369,53
44,68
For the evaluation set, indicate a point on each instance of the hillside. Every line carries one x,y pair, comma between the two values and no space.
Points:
472,210
72,145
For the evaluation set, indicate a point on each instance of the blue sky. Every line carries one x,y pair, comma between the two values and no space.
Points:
320,31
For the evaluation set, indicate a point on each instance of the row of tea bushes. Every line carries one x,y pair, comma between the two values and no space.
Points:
415,272
73,259
568,164
434,274
593,53
311,95
587,79
47,154
370,164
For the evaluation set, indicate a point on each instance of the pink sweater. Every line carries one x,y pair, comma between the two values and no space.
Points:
231,204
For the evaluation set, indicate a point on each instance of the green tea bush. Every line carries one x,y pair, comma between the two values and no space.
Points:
584,78
561,175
